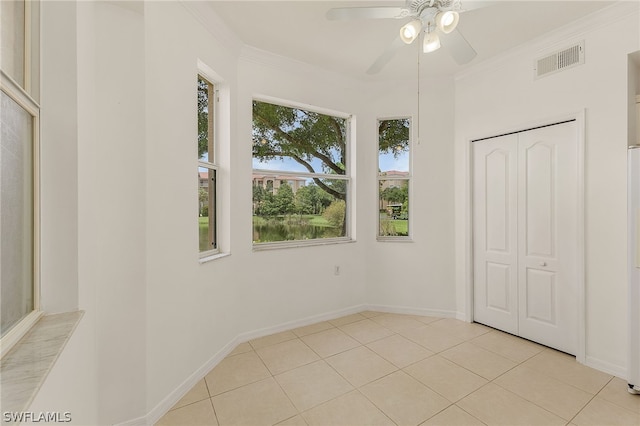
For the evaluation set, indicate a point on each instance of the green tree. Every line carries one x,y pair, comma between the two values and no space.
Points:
335,213
284,199
393,136
304,136
203,116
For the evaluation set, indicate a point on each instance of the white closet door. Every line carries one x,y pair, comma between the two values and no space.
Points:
525,209
495,232
547,235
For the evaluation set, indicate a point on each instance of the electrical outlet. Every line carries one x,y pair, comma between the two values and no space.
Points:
336,270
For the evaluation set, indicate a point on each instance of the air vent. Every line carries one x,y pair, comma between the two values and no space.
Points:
560,60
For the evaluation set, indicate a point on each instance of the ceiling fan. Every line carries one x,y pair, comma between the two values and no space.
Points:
431,17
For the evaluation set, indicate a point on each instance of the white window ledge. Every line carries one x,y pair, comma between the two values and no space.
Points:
24,368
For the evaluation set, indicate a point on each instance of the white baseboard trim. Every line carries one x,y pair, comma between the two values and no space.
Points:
606,367
405,310
170,400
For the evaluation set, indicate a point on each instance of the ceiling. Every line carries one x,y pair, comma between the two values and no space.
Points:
299,30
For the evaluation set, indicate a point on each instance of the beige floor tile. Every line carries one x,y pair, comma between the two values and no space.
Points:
293,421
601,412
443,376
405,400
312,384
348,319
399,350
235,371
397,322
425,319
551,394
512,347
330,342
260,403
480,361
494,405
286,355
564,367
431,338
196,414
366,331
616,392
453,416
197,393
313,328
360,365
462,329
272,339
348,410
241,348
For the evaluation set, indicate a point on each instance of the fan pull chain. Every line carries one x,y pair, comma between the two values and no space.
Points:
418,118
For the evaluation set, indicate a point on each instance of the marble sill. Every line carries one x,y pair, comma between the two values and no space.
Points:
24,369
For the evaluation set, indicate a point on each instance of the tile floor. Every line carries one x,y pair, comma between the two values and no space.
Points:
374,368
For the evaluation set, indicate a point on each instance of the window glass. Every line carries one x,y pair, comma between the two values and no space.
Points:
207,202
16,214
393,177
300,178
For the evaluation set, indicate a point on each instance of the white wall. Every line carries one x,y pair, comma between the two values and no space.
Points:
418,275
503,94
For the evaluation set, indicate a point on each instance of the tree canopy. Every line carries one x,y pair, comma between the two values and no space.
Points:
393,136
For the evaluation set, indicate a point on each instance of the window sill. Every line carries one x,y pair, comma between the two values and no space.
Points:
394,239
213,257
300,243
25,367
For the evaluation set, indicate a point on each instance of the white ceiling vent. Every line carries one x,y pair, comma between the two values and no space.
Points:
559,61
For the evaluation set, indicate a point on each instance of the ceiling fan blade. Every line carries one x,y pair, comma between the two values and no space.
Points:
459,47
386,56
347,13
476,4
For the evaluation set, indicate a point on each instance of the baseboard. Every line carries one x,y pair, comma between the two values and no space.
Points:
405,310
606,367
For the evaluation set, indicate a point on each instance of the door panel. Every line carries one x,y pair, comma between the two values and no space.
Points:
547,238
525,207
495,233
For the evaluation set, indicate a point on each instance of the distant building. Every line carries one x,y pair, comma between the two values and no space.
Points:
272,183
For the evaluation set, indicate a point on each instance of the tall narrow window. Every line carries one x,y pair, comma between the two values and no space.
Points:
19,122
301,178
394,178
207,170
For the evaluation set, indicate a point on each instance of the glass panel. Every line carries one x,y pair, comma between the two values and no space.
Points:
393,147
289,208
12,29
205,120
393,207
296,140
16,214
206,209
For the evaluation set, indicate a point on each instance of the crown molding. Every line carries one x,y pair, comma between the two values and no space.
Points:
204,13
559,37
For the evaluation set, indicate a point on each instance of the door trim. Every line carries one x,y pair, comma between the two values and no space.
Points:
579,117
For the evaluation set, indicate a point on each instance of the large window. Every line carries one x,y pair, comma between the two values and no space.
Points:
301,178
207,170
19,124
394,178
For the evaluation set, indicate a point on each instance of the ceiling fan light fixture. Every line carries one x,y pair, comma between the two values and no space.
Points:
431,42
447,21
410,31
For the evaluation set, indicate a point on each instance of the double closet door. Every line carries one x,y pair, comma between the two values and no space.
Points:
525,209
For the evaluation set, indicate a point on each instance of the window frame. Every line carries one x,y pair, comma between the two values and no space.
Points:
408,178
13,90
347,177
213,171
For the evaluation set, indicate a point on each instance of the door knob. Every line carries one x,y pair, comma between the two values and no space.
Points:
543,263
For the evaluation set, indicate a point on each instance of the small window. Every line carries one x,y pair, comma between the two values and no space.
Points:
394,178
301,178
207,170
